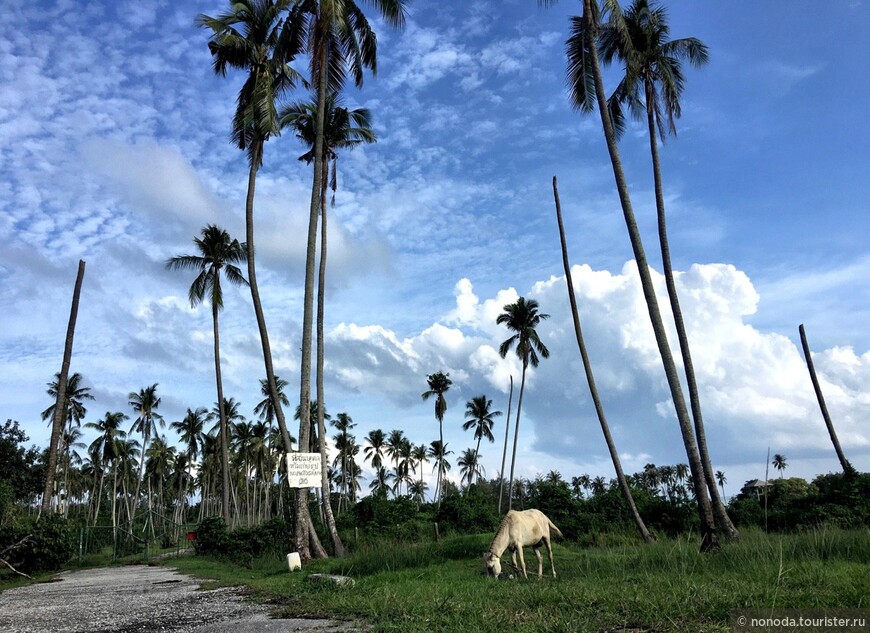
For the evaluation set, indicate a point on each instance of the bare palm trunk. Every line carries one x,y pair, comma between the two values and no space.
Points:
224,427
255,297
719,511
308,309
337,546
59,408
516,435
709,538
590,379
507,426
848,469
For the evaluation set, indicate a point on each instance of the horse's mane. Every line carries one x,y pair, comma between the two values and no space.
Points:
501,533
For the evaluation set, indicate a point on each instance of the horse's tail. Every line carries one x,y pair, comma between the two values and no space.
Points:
553,528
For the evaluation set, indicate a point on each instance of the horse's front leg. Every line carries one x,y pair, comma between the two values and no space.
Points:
550,553
522,561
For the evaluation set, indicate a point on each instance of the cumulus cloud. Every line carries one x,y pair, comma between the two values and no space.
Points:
754,385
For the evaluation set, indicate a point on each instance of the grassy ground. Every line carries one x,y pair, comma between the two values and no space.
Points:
627,587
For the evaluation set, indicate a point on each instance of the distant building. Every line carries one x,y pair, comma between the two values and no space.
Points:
754,485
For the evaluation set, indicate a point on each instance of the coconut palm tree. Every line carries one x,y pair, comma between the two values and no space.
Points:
780,463
144,403
590,381
439,384
106,447
721,480
480,418
254,36
587,90
438,454
343,129
189,429
374,452
74,412
651,88
338,40
521,318
217,257
265,409
470,467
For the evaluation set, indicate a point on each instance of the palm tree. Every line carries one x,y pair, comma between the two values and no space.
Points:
438,453
313,414
218,253
521,318
419,456
265,409
145,403
439,384
721,480
587,89
338,39
74,410
480,418
106,447
343,129
652,87
189,429
590,381
780,463
374,452
346,445
253,36
469,466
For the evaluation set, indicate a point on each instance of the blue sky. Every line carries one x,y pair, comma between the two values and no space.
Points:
114,135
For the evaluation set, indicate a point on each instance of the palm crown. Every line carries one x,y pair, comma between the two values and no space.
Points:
522,318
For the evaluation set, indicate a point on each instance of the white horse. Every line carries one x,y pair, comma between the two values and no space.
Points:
519,530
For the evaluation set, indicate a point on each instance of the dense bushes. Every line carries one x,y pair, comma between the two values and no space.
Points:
44,546
242,545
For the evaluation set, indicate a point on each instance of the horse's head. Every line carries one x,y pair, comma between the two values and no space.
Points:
492,564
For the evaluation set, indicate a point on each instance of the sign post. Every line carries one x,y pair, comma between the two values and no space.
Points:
303,470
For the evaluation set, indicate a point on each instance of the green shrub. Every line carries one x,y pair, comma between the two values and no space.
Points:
49,546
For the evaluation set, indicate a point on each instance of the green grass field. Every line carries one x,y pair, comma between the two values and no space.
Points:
624,587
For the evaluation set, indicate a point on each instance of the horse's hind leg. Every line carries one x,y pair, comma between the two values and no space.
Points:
550,554
540,561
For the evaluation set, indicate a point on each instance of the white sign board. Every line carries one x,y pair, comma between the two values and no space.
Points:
303,470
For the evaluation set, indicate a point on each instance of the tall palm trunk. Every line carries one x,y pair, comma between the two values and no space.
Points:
337,546
590,379
516,434
719,511
507,426
140,476
63,378
261,319
709,538
302,534
848,469
224,427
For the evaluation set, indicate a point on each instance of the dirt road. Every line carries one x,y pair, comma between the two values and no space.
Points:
136,599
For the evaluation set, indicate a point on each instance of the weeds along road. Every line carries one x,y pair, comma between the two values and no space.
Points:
136,599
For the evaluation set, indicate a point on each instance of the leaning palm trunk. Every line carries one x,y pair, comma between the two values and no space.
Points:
507,427
258,310
709,538
593,389
516,435
59,406
337,546
719,511
848,469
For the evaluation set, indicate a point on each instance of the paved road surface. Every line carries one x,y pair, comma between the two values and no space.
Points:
139,599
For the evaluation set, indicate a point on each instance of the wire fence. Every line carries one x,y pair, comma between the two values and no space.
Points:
150,535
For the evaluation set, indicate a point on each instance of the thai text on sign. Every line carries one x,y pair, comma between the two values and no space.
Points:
303,470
